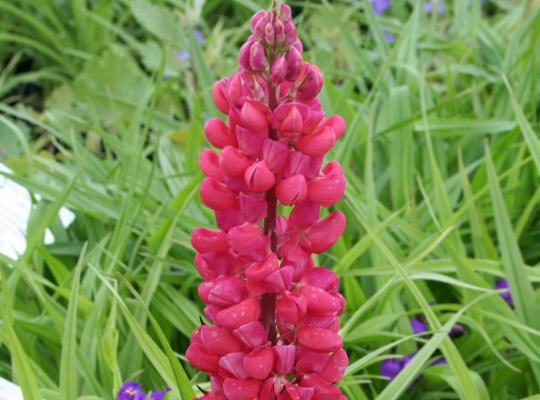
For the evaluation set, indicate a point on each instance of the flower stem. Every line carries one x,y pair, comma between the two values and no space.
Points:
268,301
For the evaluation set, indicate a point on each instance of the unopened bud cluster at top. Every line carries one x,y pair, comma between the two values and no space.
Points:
274,314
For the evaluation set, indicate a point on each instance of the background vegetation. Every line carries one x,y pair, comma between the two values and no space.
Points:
102,109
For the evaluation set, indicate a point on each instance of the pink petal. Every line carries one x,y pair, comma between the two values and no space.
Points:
304,215
219,97
318,143
254,116
323,389
258,177
335,369
249,143
243,236
219,340
252,334
322,278
236,389
233,162
228,291
234,364
292,190
318,339
206,240
259,271
284,358
228,219
259,363
308,361
312,84
324,233
218,134
328,188
337,123
252,207
216,196
319,301
209,164
201,359
240,314
274,154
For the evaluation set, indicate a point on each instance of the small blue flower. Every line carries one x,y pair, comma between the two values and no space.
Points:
503,286
131,391
417,326
388,37
199,36
379,6
429,6
183,55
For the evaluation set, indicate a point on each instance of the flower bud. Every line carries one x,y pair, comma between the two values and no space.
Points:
219,97
285,355
233,162
234,364
240,314
292,190
337,123
227,292
317,144
274,155
249,143
253,207
216,195
260,16
294,64
323,234
278,70
254,116
328,188
218,134
201,359
311,85
238,389
259,363
259,178
219,340
206,240
209,164
251,334
287,119
259,271
317,339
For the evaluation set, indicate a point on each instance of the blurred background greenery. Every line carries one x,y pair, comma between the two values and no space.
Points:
102,108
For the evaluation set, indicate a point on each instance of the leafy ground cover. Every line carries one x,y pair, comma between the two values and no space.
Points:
102,110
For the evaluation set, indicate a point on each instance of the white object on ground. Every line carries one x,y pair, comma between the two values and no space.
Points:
9,391
15,207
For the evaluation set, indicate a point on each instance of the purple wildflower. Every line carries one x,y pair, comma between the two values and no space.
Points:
388,37
183,55
390,368
439,361
199,36
131,391
379,6
429,7
417,326
456,331
502,285
158,395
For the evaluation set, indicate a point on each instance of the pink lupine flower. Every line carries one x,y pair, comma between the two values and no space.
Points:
274,314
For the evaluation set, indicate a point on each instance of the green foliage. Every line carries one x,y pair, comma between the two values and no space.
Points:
103,105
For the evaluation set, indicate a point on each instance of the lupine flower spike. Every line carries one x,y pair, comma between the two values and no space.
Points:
274,314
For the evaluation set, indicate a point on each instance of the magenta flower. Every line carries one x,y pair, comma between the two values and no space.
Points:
274,314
